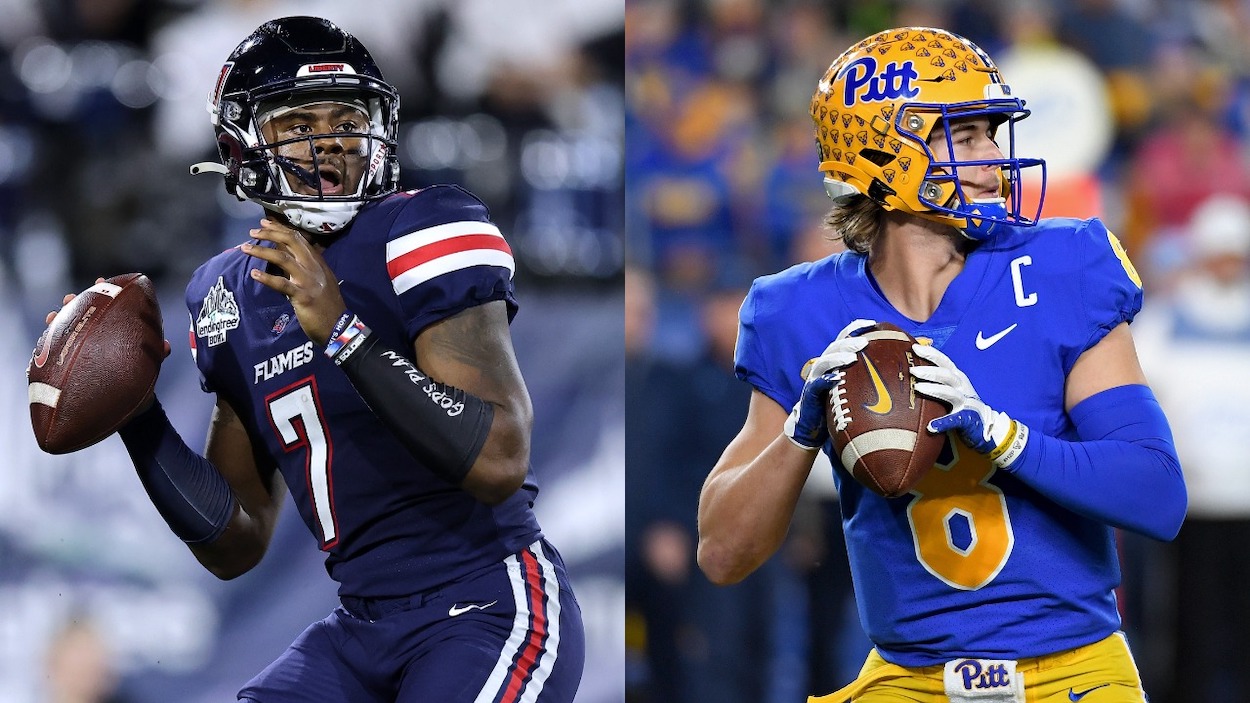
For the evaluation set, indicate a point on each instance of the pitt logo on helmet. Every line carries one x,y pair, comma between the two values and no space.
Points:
895,81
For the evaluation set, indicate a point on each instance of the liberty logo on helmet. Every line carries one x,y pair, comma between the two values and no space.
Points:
893,82
312,68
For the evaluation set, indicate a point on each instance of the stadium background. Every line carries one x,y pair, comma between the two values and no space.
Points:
101,113
1141,108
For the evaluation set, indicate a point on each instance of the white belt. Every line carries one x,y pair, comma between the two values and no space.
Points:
983,681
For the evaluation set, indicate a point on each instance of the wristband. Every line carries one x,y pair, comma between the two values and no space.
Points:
340,325
1012,445
348,334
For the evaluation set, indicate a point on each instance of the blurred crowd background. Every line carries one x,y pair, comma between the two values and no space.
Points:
102,110
1142,110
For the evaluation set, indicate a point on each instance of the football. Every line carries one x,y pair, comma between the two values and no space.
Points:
95,363
878,421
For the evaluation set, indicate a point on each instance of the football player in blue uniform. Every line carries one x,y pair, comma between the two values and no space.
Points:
359,351
994,578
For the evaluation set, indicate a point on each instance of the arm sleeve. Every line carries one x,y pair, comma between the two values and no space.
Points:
442,425
1123,470
190,494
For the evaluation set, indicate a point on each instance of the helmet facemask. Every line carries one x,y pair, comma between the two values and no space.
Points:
942,191
319,180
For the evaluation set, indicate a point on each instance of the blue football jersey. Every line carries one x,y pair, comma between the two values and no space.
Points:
971,563
390,525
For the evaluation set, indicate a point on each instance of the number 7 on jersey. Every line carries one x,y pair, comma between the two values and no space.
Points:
295,414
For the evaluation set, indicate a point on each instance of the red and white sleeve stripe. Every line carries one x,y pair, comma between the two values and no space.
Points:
420,256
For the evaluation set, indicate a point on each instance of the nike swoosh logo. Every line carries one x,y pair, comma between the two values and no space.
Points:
1074,696
883,404
462,609
42,357
984,342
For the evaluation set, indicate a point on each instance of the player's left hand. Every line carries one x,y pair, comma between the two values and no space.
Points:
165,351
982,428
309,283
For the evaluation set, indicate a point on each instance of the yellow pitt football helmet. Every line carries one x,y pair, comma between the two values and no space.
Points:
876,108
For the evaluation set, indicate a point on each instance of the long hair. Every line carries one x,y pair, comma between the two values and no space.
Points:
857,221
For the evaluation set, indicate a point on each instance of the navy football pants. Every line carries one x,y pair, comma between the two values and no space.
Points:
508,634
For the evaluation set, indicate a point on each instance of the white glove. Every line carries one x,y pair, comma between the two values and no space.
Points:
982,428
806,425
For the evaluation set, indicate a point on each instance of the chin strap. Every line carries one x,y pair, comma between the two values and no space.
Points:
316,218
986,218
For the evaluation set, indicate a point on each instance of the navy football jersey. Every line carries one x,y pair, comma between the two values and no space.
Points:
389,524
964,564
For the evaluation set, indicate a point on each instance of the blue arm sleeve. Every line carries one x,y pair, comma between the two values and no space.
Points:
1124,470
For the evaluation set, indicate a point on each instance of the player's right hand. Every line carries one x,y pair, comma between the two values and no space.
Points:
806,425
47,320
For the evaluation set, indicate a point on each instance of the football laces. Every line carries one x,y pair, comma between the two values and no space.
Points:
837,402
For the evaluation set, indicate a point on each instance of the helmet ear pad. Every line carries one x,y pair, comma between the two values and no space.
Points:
232,153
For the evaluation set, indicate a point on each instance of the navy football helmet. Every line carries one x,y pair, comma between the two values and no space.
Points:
287,63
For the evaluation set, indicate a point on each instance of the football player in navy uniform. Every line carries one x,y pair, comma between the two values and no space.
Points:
994,578
359,351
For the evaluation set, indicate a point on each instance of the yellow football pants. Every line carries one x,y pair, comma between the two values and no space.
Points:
1103,672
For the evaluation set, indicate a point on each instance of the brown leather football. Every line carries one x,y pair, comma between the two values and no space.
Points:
878,421
94,365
